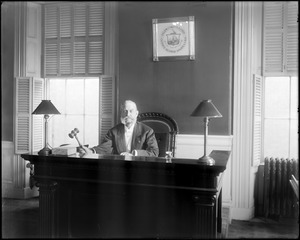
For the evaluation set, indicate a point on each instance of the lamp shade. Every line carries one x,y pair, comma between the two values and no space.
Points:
206,109
46,107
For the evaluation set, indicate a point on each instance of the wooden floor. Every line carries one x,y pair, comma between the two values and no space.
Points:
264,228
20,219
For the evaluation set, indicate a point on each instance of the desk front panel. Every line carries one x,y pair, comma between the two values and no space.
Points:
128,211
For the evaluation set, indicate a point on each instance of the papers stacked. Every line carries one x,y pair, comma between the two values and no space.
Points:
64,150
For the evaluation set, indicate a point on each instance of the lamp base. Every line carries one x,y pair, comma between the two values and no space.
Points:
206,160
45,151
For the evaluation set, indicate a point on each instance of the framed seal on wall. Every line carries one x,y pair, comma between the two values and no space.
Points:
174,38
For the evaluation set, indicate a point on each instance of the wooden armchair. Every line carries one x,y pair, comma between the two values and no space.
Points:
165,129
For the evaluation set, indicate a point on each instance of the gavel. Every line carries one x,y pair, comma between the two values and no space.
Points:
73,134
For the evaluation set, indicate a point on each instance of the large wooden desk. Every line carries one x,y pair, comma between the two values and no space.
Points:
139,197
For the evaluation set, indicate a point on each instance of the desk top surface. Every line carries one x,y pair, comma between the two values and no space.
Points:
220,157
179,173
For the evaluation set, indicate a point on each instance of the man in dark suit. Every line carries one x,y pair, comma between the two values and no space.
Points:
128,138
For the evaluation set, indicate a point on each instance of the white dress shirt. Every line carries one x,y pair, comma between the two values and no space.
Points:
128,137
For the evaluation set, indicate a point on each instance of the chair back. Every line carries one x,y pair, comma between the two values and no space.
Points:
165,129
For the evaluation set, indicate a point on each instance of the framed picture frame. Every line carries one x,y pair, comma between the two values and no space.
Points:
174,38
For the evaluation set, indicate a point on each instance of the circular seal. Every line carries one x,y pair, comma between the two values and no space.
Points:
173,39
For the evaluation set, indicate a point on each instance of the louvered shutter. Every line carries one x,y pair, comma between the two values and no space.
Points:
51,49
280,38
95,59
65,41
37,120
22,129
257,122
74,39
66,67
106,98
273,22
292,38
51,61
28,129
96,17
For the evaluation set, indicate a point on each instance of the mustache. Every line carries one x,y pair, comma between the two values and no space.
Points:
124,119
127,117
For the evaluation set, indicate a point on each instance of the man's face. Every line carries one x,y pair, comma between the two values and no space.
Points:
129,113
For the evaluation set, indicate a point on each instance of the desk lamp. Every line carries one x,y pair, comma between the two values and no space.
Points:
46,107
207,110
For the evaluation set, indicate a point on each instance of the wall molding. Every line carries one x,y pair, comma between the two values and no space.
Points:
243,172
192,146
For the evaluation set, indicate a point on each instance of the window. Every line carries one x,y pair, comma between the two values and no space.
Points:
77,99
73,62
74,65
281,117
73,47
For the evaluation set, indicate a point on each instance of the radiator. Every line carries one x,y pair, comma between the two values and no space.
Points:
279,199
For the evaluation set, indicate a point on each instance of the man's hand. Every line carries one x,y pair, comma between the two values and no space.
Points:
126,154
85,150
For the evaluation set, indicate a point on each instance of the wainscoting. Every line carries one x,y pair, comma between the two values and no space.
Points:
15,175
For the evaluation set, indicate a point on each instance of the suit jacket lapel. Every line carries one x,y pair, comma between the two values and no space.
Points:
136,136
120,141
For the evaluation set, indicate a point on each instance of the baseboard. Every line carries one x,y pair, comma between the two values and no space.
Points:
226,213
226,221
9,191
242,213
